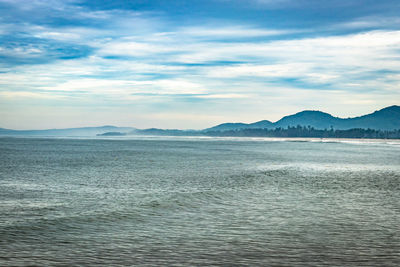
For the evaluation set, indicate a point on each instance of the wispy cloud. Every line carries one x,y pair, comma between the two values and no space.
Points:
152,62
370,22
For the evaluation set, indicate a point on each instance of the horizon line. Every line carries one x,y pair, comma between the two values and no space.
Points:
108,125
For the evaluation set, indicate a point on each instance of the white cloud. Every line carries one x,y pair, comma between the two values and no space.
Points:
248,70
138,59
26,94
228,32
223,96
133,49
369,22
318,60
67,34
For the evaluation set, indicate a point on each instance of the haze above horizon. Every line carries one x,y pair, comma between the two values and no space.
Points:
192,64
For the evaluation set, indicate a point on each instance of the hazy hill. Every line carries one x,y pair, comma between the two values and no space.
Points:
384,119
237,126
166,132
84,131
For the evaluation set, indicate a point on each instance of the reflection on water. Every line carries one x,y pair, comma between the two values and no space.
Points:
198,202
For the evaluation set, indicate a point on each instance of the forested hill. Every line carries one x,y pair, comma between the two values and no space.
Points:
384,123
302,131
384,119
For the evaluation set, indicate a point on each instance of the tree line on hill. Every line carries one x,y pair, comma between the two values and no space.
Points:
308,131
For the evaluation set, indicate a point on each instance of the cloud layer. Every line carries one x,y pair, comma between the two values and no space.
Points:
73,63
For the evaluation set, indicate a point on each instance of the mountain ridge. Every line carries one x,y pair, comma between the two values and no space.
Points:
387,118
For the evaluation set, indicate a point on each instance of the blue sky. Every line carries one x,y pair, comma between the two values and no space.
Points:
194,64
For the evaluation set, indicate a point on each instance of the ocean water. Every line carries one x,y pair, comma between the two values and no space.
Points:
196,202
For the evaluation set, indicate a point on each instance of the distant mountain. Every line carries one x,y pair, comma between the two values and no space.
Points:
316,119
84,131
384,119
166,132
112,134
237,126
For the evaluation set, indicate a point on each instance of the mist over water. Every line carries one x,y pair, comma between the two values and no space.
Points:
185,202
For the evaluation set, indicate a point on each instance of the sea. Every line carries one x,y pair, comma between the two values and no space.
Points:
181,201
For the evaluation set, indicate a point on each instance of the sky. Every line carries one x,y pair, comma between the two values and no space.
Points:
194,64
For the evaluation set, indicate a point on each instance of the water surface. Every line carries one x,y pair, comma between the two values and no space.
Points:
200,201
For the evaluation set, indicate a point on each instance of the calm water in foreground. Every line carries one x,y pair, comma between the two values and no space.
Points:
189,202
